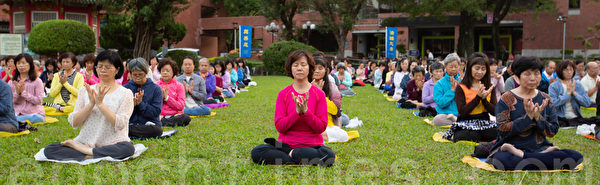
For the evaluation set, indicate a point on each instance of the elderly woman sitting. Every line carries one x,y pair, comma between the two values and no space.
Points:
147,96
526,117
102,111
173,94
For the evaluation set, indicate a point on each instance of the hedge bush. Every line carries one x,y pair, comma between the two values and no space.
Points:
276,54
178,55
57,36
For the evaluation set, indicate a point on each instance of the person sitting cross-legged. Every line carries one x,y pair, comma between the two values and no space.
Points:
195,89
300,118
147,96
102,111
527,117
173,94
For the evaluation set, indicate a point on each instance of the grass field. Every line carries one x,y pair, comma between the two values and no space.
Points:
394,147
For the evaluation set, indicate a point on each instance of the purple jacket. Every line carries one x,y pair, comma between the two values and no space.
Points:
427,96
211,84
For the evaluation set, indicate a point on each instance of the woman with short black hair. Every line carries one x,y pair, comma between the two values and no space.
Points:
526,118
102,111
568,96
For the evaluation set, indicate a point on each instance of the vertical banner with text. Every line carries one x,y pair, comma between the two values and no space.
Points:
390,41
245,41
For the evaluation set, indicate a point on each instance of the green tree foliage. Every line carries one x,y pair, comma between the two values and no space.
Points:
594,34
276,54
56,36
148,17
242,7
173,32
119,34
178,55
338,17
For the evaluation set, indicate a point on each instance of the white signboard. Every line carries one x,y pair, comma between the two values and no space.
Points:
11,44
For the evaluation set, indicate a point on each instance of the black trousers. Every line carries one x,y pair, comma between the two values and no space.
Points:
564,122
177,120
314,155
486,135
427,112
145,131
555,160
7,127
121,150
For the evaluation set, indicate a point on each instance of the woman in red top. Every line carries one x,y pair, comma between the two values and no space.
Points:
8,73
300,118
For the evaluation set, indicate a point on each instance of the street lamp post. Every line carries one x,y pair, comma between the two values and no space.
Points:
308,26
563,19
272,28
235,27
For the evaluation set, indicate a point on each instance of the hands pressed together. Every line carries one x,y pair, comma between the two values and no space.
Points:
96,98
534,111
301,103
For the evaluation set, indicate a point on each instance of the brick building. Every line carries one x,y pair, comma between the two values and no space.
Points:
24,15
209,29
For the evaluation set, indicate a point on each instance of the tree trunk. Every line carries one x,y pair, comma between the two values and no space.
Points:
143,42
466,37
340,38
499,49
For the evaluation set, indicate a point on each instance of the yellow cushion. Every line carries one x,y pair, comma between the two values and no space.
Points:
8,134
210,115
429,122
438,138
476,163
48,120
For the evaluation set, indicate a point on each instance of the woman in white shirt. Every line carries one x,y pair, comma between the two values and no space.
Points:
102,111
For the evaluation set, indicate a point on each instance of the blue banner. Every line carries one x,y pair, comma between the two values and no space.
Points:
245,41
391,35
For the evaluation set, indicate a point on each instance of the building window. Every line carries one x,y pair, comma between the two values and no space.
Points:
574,4
81,17
18,22
41,16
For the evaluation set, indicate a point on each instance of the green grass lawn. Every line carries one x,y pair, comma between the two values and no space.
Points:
394,147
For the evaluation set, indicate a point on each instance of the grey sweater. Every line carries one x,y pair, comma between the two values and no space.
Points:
199,92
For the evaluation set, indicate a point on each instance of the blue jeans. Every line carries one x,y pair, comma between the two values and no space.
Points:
197,111
227,93
33,118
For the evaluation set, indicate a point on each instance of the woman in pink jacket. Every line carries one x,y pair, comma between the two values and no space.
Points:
27,90
173,95
300,118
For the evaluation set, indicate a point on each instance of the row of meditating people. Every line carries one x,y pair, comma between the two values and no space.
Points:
525,115
109,113
168,103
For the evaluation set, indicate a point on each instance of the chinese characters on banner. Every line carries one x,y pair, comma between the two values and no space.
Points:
245,41
391,34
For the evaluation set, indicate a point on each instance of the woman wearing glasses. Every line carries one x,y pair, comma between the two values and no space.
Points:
102,111
147,97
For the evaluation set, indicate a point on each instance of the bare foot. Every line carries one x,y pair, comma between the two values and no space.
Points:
85,149
506,147
550,149
69,143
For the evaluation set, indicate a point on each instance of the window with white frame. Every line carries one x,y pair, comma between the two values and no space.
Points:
18,22
41,16
81,17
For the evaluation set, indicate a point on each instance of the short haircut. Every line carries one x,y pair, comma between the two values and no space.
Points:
137,64
493,61
318,54
168,61
340,66
436,66
8,58
451,58
199,61
68,55
31,73
88,58
560,67
587,65
548,63
525,63
296,55
50,62
418,69
579,61
190,58
113,58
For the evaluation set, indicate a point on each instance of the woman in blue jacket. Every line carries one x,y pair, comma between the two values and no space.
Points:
568,95
144,121
443,92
